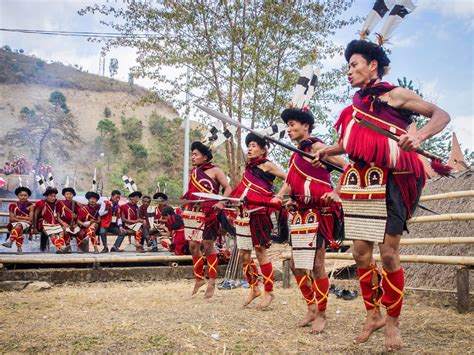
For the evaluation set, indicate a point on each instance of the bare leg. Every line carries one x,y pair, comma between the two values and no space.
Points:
319,273
312,309
254,292
390,255
268,296
209,250
362,252
195,249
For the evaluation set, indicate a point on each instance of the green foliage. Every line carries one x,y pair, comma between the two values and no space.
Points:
58,99
469,157
244,56
113,67
27,113
7,48
158,124
139,152
439,144
107,112
106,127
132,128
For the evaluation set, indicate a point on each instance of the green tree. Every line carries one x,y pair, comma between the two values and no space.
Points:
139,152
244,56
132,128
106,127
58,99
113,67
439,144
157,124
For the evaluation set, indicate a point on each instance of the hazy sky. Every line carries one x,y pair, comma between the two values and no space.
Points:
433,47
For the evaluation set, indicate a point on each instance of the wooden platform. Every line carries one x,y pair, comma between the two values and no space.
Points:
38,259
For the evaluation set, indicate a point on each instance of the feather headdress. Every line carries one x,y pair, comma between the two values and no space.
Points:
398,10
218,134
130,185
305,87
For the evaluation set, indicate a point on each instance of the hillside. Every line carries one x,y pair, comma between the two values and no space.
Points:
22,69
27,82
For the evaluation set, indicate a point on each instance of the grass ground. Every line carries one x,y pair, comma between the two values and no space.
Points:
161,316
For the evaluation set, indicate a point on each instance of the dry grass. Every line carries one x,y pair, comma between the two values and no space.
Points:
144,317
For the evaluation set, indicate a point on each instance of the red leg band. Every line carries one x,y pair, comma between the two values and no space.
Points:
198,264
212,262
91,235
267,275
58,242
305,284
17,236
393,284
138,237
369,280
251,273
321,288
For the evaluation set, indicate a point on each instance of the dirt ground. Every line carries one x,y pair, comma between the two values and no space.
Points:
162,317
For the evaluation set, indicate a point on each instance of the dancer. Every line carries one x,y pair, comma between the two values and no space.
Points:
254,225
204,218
381,189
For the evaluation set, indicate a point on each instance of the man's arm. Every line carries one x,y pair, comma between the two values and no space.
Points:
330,154
275,170
129,221
402,98
222,180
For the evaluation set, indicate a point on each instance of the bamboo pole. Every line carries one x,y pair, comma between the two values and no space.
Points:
443,218
417,259
419,241
448,195
63,259
9,199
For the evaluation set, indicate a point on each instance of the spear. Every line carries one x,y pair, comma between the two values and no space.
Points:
227,119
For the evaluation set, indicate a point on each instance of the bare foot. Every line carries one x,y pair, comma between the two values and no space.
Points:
319,323
310,316
197,285
253,294
211,286
393,341
267,299
374,322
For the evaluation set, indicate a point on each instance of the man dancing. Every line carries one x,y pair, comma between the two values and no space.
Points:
21,218
380,190
313,225
254,226
205,177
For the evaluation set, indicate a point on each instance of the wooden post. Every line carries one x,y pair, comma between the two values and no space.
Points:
286,273
462,279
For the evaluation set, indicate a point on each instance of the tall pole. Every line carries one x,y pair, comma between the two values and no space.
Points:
186,135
